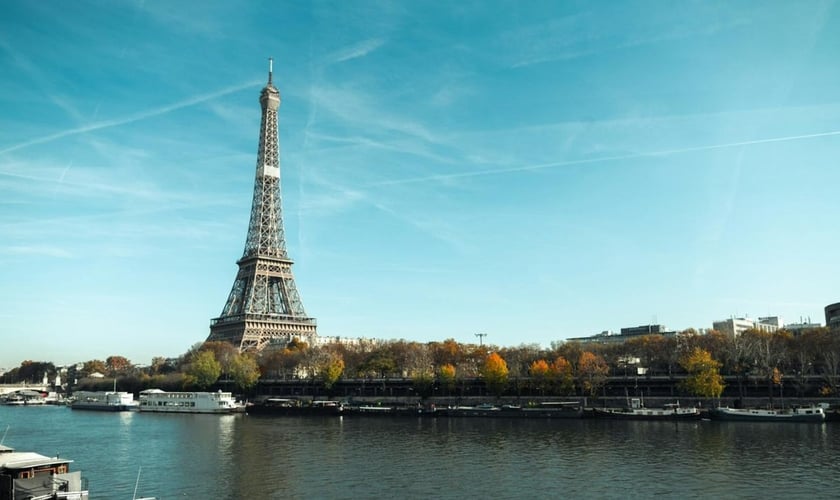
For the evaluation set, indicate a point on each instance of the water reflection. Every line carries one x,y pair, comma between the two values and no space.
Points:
240,456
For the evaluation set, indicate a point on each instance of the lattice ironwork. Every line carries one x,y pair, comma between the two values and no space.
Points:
264,305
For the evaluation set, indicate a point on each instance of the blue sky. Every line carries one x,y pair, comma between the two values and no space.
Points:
530,170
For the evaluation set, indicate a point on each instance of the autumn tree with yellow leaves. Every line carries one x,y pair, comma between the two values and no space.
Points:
592,372
703,374
539,372
446,376
561,374
330,370
494,371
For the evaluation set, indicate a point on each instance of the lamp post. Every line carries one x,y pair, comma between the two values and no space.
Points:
480,338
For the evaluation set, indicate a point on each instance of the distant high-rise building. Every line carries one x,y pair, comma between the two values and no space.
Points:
264,306
832,317
644,330
772,320
798,328
734,327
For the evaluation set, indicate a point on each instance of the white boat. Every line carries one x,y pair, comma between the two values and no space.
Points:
801,414
156,400
104,401
28,475
24,398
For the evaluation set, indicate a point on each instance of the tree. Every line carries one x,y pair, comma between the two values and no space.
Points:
448,352
570,351
829,359
715,342
297,345
330,371
472,361
703,374
30,371
519,360
160,366
562,376
738,360
767,349
117,364
94,366
446,375
539,372
225,353
423,384
204,369
379,363
281,363
495,373
244,371
805,350
592,372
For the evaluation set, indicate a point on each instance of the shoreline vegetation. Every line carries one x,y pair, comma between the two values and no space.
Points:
775,367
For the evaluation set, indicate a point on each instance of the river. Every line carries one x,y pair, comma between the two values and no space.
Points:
242,456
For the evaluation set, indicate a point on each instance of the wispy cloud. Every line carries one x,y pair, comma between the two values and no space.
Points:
335,199
525,168
354,107
355,51
132,118
397,139
583,35
432,227
86,181
402,147
339,198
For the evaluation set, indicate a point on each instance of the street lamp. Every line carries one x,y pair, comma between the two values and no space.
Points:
480,338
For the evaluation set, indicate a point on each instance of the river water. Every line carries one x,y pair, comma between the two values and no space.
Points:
241,456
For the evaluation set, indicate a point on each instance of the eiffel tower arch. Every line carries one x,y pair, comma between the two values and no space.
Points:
264,306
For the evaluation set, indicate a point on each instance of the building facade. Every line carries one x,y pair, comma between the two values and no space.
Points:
734,327
832,317
644,330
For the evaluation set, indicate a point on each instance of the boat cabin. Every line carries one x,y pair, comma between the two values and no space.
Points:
31,475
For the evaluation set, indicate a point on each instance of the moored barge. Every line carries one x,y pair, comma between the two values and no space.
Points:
28,475
158,401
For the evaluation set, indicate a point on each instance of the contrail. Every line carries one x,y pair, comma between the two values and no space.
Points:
360,49
524,168
132,118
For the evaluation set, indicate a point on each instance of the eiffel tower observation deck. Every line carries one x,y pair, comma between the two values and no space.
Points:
264,306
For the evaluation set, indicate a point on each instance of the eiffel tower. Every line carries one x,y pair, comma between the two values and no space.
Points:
264,306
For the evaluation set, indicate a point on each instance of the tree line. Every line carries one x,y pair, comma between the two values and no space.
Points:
701,362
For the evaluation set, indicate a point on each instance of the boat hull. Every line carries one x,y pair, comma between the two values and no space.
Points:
747,415
647,414
538,413
295,411
103,407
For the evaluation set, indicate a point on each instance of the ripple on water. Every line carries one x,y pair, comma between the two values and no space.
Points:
239,456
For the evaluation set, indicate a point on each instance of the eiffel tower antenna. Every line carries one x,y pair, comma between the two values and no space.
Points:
264,306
